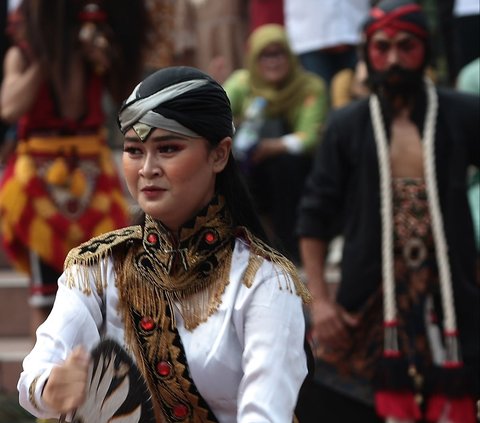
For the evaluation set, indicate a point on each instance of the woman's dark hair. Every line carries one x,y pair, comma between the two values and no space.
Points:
232,185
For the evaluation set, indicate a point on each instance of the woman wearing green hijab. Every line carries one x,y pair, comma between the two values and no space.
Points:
295,109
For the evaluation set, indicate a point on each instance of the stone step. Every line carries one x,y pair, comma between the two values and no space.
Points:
12,352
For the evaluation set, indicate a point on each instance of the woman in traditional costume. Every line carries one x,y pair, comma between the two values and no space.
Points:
211,315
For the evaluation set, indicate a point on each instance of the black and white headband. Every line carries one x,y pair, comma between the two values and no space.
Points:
142,110
178,99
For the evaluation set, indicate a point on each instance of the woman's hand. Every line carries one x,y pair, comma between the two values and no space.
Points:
65,389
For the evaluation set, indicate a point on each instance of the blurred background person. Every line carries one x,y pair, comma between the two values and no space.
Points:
325,34
469,77
220,29
459,24
60,186
294,109
469,81
466,33
400,339
4,43
348,85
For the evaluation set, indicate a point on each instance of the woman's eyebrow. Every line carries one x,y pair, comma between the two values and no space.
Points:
158,138
169,137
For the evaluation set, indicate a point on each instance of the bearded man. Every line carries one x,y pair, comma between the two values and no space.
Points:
400,341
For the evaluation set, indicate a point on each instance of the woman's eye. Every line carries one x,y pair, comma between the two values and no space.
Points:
168,148
132,150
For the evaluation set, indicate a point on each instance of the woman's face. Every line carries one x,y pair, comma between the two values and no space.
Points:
172,176
273,63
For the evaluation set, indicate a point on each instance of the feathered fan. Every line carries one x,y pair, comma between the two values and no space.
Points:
116,391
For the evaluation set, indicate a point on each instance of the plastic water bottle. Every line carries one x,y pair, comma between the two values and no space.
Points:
248,134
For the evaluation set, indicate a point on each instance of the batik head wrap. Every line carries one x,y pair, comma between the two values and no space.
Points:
179,99
284,99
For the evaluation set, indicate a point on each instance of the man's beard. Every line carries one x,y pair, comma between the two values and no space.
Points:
397,83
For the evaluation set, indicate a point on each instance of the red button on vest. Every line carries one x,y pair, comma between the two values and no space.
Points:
147,323
210,237
180,411
164,368
152,238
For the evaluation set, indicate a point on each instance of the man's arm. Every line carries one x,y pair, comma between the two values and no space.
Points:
313,252
328,319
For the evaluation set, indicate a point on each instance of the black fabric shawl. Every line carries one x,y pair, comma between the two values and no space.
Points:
345,182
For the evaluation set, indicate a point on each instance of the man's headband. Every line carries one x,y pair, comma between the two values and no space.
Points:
408,17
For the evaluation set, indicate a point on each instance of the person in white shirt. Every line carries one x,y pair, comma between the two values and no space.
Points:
325,34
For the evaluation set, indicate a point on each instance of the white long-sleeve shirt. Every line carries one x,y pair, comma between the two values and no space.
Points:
313,25
247,360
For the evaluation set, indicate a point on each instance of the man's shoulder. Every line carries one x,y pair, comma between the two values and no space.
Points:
356,110
354,107
448,95
460,108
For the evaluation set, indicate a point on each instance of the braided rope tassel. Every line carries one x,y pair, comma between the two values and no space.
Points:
388,280
441,248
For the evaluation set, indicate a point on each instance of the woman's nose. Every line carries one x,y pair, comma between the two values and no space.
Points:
150,167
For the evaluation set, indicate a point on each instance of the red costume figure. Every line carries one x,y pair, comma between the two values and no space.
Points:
60,186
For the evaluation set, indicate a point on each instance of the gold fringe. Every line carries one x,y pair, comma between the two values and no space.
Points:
148,295
254,263
90,259
31,392
258,251
145,299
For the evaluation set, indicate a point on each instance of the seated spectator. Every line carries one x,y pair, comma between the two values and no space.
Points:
348,84
469,81
295,109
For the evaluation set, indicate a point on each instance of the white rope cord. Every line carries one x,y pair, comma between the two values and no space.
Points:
389,304
441,248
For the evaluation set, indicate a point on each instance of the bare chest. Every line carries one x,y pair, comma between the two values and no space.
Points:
406,151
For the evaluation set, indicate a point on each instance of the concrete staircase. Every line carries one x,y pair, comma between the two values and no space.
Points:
15,341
